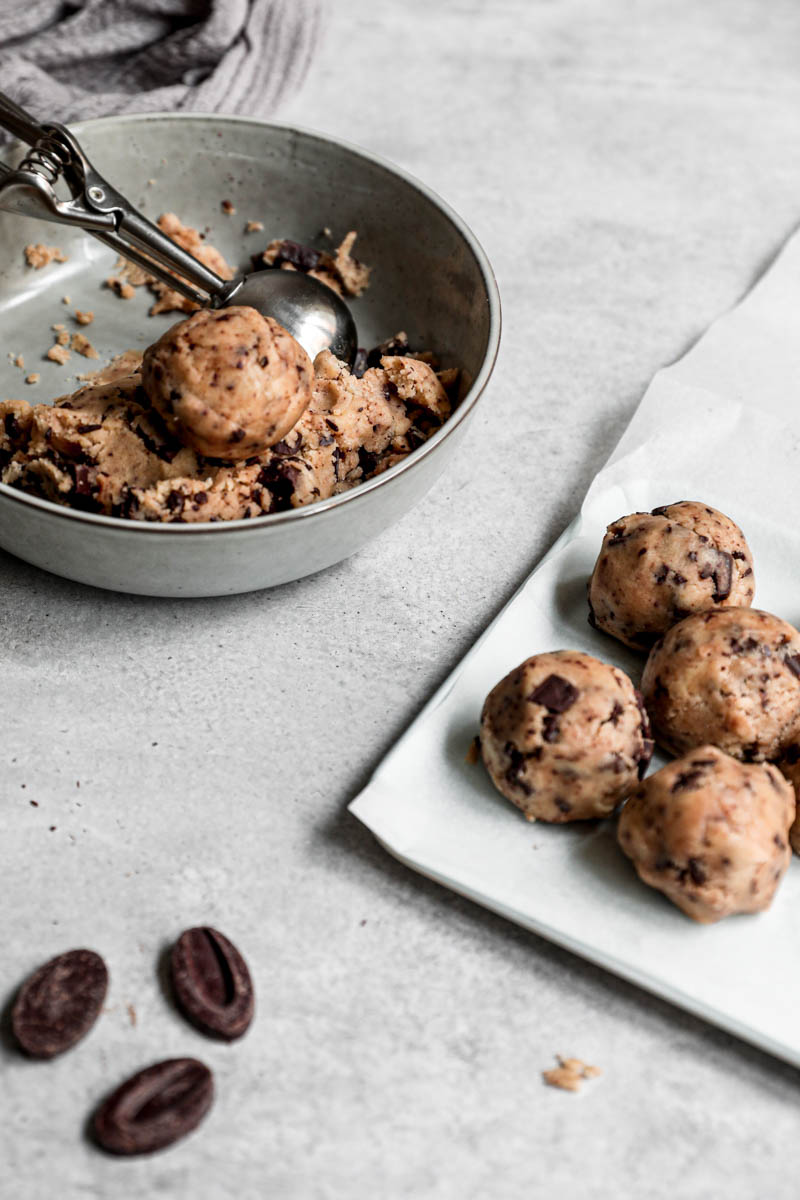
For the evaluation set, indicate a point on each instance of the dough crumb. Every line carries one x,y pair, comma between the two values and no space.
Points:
83,318
66,300
62,337
34,377
132,1014
123,289
254,227
473,754
82,345
38,255
58,354
228,208
570,1074
19,361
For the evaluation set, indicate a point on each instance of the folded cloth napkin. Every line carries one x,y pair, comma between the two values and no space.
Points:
90,58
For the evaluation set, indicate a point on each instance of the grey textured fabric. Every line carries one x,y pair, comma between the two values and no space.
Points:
89,58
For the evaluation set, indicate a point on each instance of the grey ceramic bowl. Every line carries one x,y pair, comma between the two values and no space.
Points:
430,277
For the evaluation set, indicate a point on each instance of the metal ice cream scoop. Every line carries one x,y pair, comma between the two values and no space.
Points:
314,315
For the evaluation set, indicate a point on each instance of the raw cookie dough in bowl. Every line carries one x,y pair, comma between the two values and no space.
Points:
429,278
565,737
731,677
711,833
656,568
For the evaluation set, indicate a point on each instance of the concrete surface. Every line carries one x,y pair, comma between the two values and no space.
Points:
630,168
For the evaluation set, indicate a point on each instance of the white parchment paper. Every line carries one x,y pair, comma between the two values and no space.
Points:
721,425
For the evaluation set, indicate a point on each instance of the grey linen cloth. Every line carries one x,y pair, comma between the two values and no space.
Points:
90,58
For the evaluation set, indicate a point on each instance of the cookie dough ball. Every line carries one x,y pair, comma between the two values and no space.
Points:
731,677
656,568
228,382
565,737
790,767
711,833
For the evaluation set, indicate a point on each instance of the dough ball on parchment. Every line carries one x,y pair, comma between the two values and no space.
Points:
656,568
711,833
729,676
228,382
565,737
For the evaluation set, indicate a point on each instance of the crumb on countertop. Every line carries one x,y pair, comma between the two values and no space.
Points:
570,1074
62,337
38,255
66,300
84,318
81,344
254,227
58,354
474,752
19,361
228,208
34,377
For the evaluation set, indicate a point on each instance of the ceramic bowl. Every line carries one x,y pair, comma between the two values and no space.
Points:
430,278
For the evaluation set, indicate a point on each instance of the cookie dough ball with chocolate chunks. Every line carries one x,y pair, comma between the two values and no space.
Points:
228,382
656,568
711,833
789,766
565,737
731,677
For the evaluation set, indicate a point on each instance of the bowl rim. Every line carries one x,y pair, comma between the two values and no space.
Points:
319,507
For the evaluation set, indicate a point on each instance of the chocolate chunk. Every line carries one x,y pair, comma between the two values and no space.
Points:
793,663
13,427
59,1003
618,536
697,870
359,363
237,435
550,731
562,805
394,345
88,428
555,693
280,476
366,461
515,768
83,485
155,1107
648,746
615,714
719,567
212,983
678,579
687,779
792,755
661,574
743,647
303,258
738,554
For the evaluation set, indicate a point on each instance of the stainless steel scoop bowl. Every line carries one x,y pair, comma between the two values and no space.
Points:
314,315
430,277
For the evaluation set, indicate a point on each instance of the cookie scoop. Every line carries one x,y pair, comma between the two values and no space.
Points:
711,833
565,737
228,382
656,568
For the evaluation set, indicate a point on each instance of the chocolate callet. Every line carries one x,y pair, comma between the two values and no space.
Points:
720,569
359,363
738,554
515,768
697,870
280,476
237,435
366,461
555,693
662,573
82,481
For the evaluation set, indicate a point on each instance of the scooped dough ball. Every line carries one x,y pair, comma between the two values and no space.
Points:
228,382
730,676
711,833
790,767
656,568
565,737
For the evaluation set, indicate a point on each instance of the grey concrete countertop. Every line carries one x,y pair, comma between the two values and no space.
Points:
630,168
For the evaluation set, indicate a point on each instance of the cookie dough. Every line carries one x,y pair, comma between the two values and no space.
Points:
731,677
656,568
228,382
711,833
104,449
789,765
565,737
